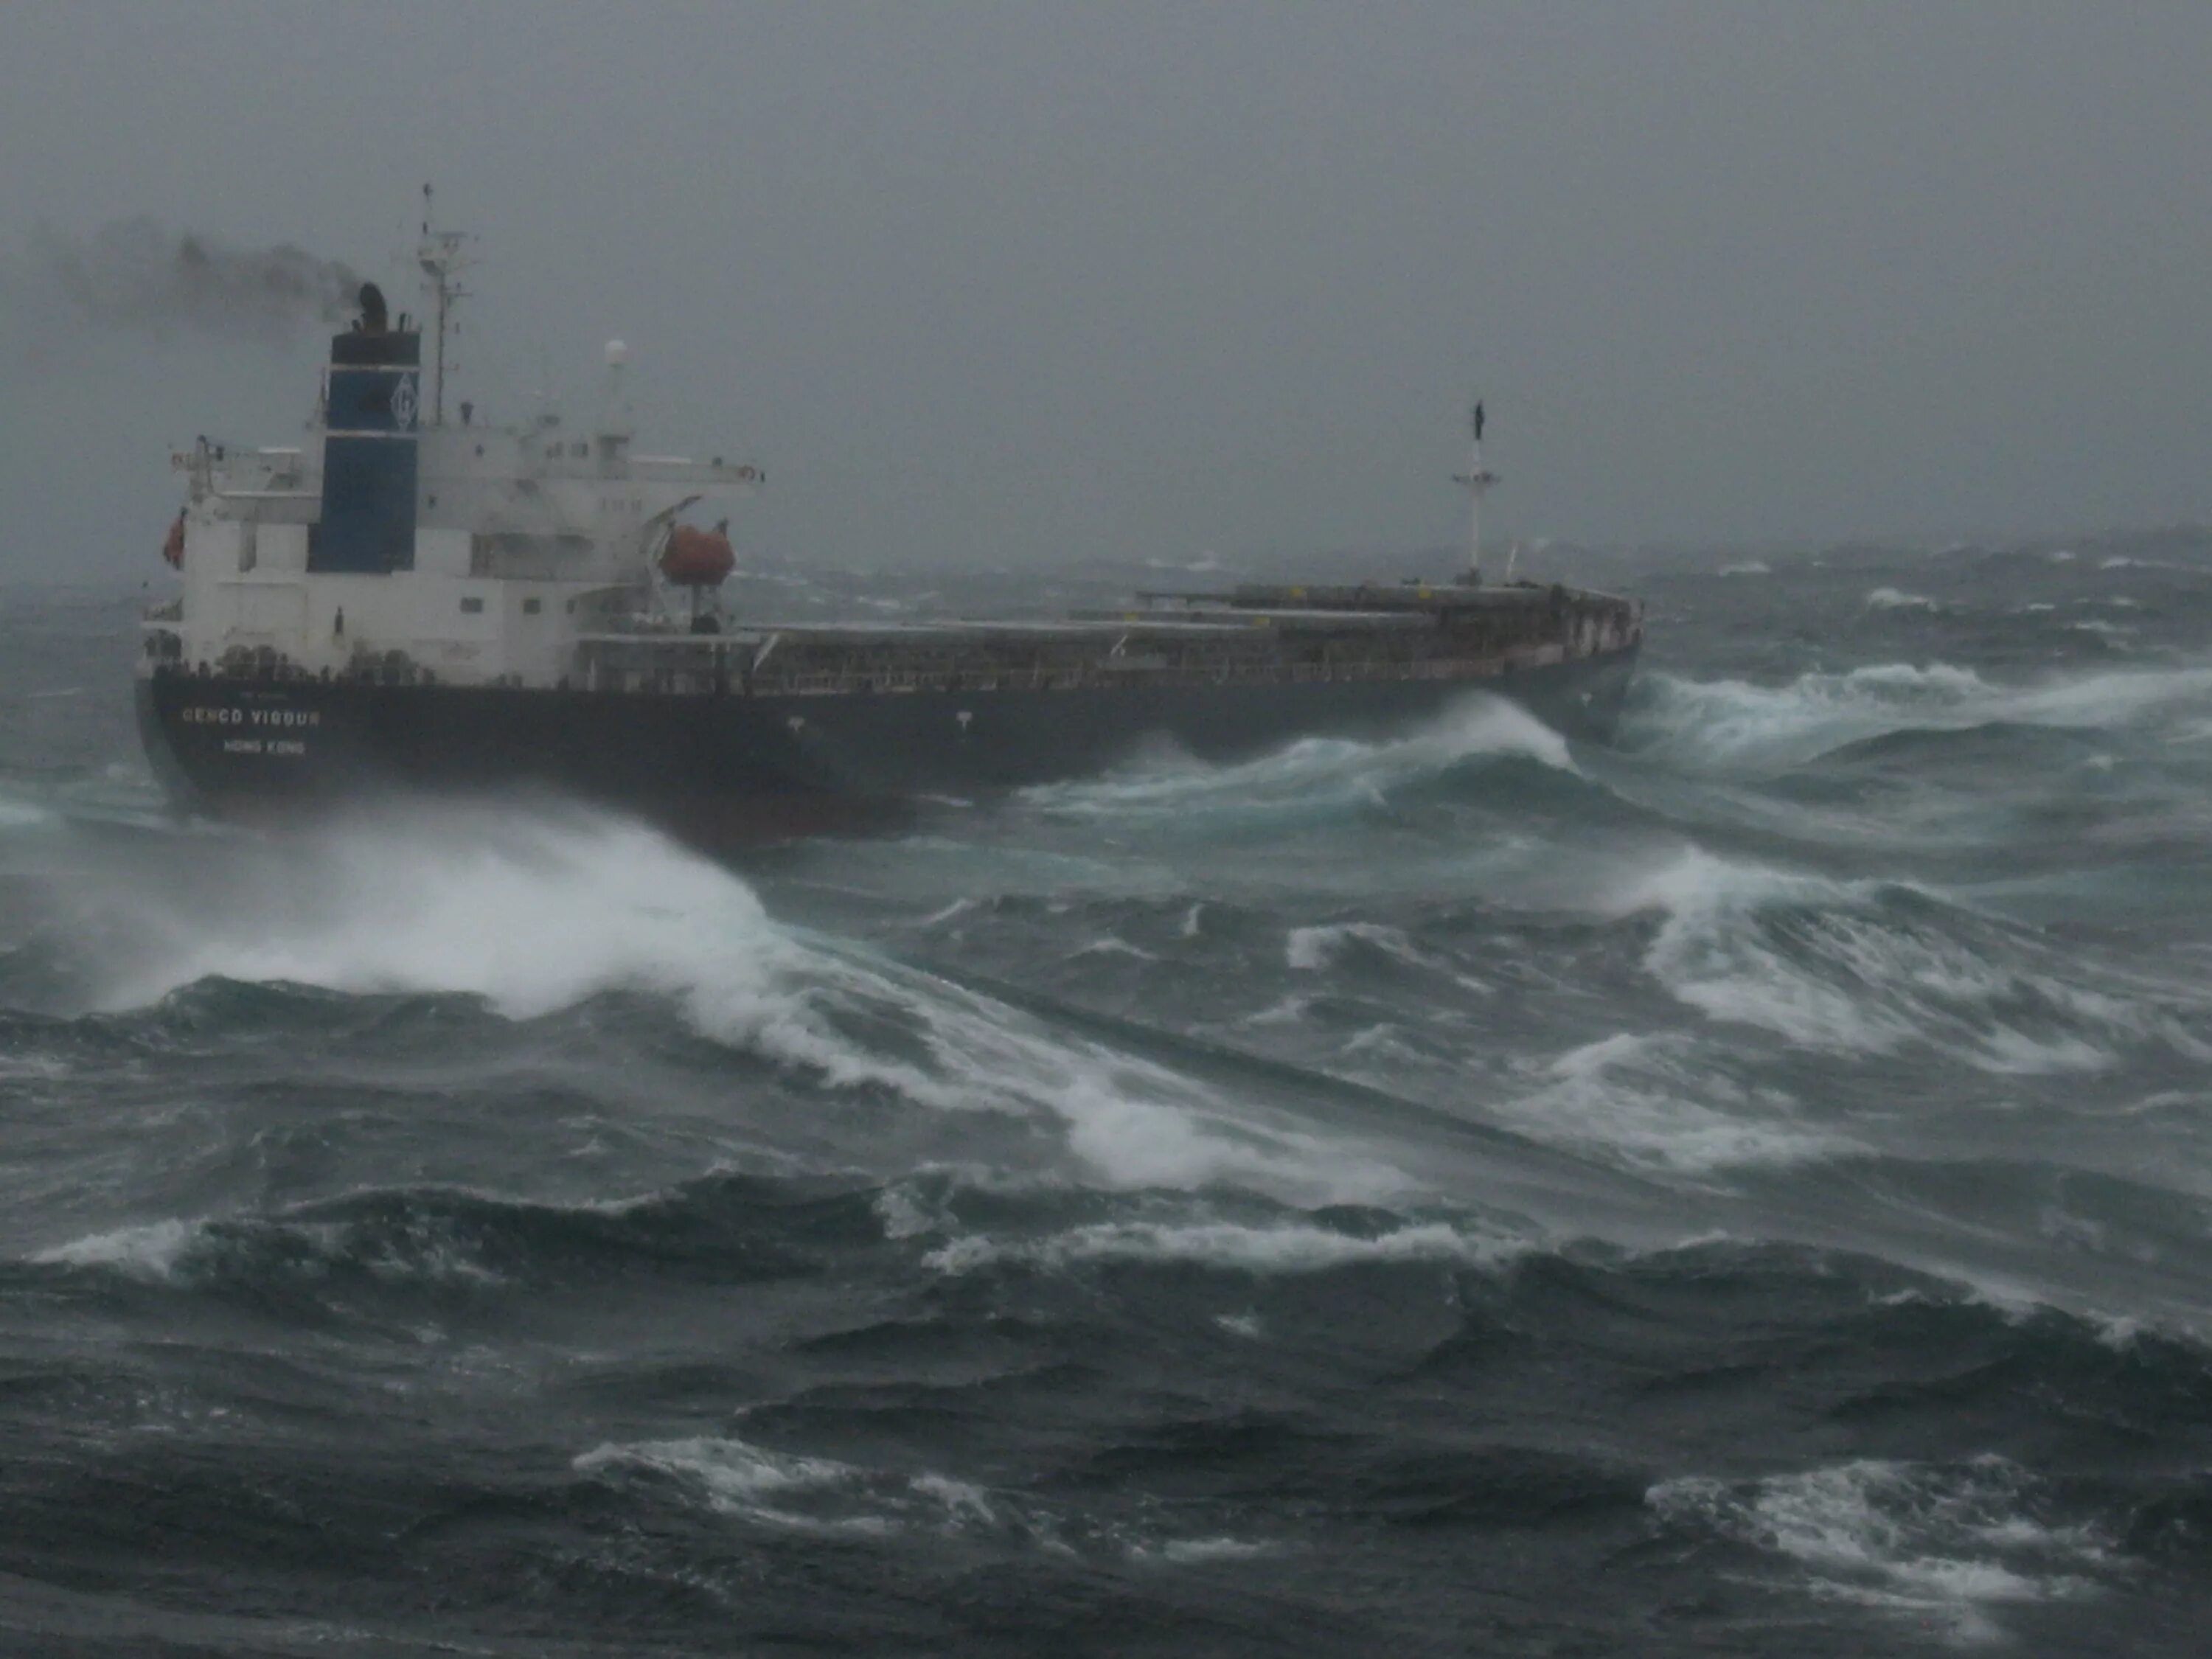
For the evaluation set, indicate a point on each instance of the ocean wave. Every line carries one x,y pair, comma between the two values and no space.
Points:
1943,1540
1895,598
2111,632
731,1228
1318,775
1306,1247
1655,1102
16,814
536,917
151,1250
1732,724
797,1493
1314,949
415,1245
1866,967
786,1491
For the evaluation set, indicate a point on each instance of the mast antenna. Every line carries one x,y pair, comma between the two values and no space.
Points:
1475,480
439,255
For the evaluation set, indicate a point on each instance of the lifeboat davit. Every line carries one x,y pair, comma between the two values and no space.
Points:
698,558
173,547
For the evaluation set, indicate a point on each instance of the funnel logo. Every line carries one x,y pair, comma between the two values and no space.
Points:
403,402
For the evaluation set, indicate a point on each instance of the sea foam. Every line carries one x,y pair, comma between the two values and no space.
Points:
1946,1541
1734,726
1317,774
1865,966
534,917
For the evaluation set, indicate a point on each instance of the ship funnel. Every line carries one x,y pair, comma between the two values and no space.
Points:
371,402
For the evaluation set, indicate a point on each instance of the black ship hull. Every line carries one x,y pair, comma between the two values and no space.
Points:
732,768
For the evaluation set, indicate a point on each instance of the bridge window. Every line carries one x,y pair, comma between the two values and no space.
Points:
472,607
530,607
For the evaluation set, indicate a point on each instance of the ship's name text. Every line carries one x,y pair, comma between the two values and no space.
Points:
197,716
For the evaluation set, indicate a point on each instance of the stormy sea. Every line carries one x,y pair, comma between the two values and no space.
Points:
1743,1189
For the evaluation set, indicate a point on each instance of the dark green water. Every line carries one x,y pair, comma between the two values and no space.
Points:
1742,1191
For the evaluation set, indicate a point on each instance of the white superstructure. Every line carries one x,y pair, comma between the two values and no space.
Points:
521,538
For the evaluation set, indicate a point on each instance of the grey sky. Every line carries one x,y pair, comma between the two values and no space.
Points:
1024,282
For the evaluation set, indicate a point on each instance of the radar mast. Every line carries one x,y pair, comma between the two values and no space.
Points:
1476,479
439,253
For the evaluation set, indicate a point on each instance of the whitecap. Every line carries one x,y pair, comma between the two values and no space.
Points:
1286,1249
797,1493
1895,599
538,916
1109,944
1733,725
1315,774
1311,949
150,1251
1653,1101
1950,1541
1188,1552
1851,968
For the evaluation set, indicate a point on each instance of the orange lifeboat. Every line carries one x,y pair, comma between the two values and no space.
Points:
172,549
698,558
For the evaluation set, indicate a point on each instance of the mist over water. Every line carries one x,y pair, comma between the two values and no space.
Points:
1744,1189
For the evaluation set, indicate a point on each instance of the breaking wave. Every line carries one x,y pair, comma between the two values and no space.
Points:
1296,1248
534,918
1867,967
805,1494
1950,1541
1893,598
1319,776
1656,1103
1733,725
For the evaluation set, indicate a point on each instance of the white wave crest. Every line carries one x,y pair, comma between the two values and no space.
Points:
1848,967
1732,724
1293,1248
789,1492
1310,950
1916,1539
1653,1102
1896,598
1188,1552
21,814
422,1248
1317,773
150,1252
2111,632
534,917
804,1494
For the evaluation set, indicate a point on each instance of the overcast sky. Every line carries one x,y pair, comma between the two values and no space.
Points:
1038,281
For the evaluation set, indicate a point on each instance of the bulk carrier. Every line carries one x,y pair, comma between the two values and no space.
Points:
407,601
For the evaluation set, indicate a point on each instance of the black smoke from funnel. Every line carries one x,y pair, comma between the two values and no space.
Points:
137,275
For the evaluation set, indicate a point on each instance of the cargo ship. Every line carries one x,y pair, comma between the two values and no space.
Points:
410,600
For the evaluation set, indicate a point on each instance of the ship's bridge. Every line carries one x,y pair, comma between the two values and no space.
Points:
461,546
